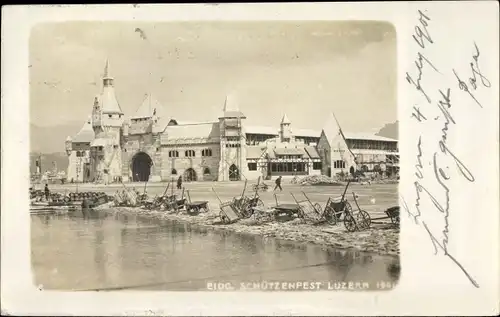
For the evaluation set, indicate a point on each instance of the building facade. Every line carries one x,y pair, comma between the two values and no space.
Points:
150,146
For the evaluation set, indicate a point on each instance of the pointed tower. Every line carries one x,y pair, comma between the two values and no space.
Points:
150,109
107,115
333,149
285,129
232,165
107,122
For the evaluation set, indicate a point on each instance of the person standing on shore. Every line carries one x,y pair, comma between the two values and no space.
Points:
47,192
179,182
278,184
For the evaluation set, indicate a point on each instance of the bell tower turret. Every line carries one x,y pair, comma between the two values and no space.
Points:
285,129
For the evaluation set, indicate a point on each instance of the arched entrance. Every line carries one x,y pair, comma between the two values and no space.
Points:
351,170
141,167
234,173
190,175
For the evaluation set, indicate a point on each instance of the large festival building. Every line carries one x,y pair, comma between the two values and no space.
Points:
152,146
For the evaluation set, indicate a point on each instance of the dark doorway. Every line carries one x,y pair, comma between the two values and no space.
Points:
234,173
141,167
351,170
190,175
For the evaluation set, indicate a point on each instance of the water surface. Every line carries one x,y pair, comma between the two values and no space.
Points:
109,251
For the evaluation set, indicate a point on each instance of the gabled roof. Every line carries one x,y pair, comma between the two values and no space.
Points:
285,119
331,129
204,130
86,133
231,108
148,107
161,124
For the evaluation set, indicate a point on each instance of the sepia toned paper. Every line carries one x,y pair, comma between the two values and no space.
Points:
319,77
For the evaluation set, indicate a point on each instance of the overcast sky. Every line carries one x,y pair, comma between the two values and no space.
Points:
305,69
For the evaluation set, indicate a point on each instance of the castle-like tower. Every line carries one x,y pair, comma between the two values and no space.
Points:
107,122
286,130
78,151
232,142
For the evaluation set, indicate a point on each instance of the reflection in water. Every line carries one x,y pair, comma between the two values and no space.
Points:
100,250
394,270
100,254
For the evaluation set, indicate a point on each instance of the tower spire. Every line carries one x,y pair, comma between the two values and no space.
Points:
285,119
107,80
106,68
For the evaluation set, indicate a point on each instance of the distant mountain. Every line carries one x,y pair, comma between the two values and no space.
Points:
51,139
390,130
48,159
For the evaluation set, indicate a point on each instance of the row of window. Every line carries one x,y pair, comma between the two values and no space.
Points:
206,171
286,167
339,164
290,157
190,153
373,145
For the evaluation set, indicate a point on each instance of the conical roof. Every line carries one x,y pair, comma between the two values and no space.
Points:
285,119
106,70
86,133
231,108
149,107
107,99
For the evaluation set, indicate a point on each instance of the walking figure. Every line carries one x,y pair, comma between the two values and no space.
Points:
278,183
47,192
179,182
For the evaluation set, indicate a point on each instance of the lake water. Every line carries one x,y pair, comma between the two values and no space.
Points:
111,251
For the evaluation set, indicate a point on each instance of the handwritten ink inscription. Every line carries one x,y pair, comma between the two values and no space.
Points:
475,71
444,157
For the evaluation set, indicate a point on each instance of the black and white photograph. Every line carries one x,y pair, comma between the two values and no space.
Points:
251,159
214,156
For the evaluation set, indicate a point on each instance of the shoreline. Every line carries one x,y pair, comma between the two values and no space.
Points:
380,238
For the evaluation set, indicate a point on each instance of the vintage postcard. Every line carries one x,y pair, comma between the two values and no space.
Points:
251,159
